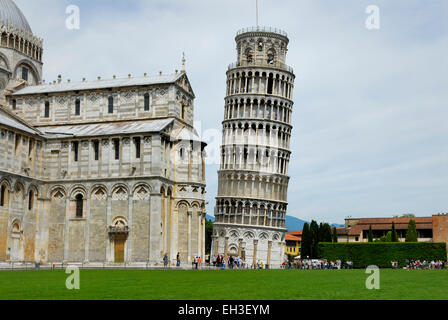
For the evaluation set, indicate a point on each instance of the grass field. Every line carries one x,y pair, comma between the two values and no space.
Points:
224,285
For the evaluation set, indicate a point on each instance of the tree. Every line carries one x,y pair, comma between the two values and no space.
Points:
411,233
370,234
314,230
335,235
326,233
321,233
208,236
394,237
306,241
408,215
388,237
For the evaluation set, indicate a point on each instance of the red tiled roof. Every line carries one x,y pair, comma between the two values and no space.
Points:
385,224
294,236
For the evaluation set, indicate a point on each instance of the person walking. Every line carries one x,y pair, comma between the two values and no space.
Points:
178,260
165,260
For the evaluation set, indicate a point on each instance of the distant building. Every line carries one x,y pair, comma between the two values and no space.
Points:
293,243
433,228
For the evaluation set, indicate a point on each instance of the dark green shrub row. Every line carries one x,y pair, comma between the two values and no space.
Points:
382,253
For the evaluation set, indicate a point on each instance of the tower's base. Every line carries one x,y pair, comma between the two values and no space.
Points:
255,246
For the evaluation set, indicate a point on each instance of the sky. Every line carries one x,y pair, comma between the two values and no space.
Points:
370,135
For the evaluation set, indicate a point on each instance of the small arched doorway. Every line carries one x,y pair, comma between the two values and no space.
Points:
118,233
14,254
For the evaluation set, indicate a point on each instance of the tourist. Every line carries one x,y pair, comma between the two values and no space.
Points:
165,260
178,260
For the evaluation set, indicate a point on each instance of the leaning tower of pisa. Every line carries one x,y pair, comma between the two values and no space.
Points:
251,204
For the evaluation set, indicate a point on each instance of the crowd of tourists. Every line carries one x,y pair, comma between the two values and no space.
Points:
230,263
317,264
425,265
302,264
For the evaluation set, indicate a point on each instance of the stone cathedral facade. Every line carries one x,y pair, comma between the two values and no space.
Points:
251,204
95,172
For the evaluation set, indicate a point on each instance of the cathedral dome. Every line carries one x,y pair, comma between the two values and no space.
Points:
10,14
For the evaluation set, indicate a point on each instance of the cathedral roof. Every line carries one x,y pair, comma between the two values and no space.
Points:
104,129
99,84
186,134
10,14
10,120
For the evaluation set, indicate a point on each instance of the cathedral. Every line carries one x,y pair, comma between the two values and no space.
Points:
99,172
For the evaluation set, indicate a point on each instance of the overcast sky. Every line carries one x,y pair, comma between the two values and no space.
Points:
370,118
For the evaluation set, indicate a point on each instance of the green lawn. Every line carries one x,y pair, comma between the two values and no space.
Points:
224,285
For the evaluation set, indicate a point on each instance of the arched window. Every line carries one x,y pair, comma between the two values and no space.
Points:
138,144
2,196
183,112
270,83
111,105
146,102
181,153
25,73
47,109
249,55
77,107
271,56
79,206
30,200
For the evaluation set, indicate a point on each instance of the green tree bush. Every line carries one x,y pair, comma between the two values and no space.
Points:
370,234
411,233
381,254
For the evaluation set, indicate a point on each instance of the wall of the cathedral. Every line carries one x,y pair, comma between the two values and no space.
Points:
137,203
45,227
128,103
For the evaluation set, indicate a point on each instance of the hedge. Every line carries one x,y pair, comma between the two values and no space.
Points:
382,253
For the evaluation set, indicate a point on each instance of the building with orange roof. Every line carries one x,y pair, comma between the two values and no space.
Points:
293,243
433,228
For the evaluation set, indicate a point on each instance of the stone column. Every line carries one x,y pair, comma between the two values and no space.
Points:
130,242
87,235
66,227
108,222
203,234
109,164
216,250
200,234
189,236
155,231
254,260
226,248
240,246
269,254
